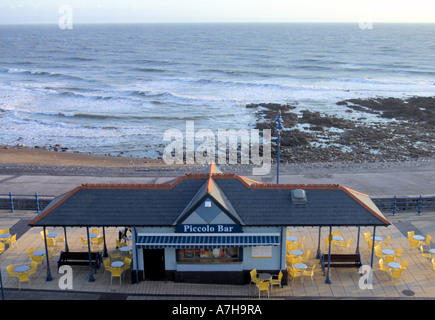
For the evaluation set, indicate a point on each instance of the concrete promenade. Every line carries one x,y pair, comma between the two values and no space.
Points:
418,280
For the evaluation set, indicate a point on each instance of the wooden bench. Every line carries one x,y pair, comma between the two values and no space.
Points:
341,261
79,259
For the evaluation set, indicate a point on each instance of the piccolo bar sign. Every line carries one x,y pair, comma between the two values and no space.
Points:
208,228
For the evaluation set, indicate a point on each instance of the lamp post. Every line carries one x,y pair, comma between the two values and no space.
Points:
278,127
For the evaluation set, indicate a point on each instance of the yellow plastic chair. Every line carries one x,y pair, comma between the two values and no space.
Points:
433,264
336,233
300,244
290,247
116,273
60,239
96,231
98,241
42,234
3,231
403,264
23,277
345,244
307,256
120,244
30,252
2,247
309,273
254,277
382,267
263,286
386,243
115,255
414,243
37,259
293,272
276,280
398,253
106,263
333,244
127,263
84,242
51,242
33,267
367,235
390,258
426,242
378,252
424,254
411,234
11,272
396,273
12,240
50,253
296,259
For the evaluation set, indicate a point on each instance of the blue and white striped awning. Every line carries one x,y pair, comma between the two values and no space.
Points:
206,240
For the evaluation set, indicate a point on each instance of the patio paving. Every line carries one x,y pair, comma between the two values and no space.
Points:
418,280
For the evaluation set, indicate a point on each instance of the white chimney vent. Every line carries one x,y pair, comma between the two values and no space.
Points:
299,196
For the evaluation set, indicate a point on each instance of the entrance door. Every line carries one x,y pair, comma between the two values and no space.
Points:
154,264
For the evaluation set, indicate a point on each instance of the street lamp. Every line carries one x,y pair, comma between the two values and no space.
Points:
278,127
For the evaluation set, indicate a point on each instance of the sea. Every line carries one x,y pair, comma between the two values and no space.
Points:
117,88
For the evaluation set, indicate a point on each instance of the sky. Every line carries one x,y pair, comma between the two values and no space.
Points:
168,11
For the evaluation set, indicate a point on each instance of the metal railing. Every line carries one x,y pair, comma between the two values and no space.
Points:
396,204
14,202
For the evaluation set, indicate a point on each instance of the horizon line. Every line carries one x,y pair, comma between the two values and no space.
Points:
221,22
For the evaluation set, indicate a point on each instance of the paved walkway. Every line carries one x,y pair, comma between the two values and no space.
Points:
418,280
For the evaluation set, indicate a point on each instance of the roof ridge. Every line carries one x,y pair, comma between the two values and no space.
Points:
295,186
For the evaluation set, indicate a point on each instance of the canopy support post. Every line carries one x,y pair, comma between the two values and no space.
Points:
328,274
91,276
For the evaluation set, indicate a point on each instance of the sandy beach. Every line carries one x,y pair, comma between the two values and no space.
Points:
27,155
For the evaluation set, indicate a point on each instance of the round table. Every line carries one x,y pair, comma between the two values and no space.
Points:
5,236
296,252
39,253
377,238
418,237
264,276
93,235
394,265
300,266
291,238
22,268
432,251
52,235
117,264
125,249
337,238
387,252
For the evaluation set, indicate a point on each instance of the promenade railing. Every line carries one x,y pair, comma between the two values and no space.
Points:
396,204
12,202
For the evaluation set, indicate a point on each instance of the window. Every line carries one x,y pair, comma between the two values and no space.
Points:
207,256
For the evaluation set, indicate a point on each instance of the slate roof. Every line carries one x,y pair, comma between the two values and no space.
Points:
253,203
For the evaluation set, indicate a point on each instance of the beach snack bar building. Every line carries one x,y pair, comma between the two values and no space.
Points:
210,227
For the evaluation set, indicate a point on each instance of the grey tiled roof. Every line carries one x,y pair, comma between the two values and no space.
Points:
254,206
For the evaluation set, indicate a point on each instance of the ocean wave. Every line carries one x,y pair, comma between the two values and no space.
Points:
142,69
43,73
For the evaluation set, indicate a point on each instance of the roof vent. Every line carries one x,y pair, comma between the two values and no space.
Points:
207,204
299,196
